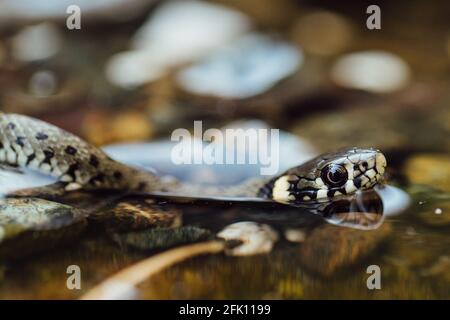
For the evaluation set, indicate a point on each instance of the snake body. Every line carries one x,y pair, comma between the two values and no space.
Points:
32,143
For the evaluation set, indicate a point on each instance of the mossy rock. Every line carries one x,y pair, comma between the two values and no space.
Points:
328,249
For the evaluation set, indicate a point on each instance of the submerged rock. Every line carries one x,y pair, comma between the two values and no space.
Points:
28,225
328,249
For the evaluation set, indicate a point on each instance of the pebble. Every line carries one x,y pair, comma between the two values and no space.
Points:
322,33
429,169
177,32
36,42
184,30
30,10
130,69
102,128
255,238
249,67
372,71
295,235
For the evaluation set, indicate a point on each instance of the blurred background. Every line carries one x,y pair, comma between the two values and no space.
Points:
138,69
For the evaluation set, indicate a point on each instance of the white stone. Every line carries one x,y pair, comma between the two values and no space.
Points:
295,235
256,238
36,42
130,69
373,71
177,32
185,30
249,67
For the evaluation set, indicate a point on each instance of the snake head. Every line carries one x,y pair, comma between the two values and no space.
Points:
328,176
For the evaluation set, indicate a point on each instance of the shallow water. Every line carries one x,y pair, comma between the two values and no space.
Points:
410,247
318,255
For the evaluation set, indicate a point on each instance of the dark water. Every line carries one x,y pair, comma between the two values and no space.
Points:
410,247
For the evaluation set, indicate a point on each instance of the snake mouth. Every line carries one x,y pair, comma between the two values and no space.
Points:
352,170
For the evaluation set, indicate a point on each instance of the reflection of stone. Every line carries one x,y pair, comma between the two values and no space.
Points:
429,169
328,248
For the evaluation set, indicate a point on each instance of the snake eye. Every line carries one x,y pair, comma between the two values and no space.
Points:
334,175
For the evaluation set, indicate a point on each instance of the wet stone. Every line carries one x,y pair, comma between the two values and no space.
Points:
328,249
252,238
28,225
129,215
432,170
372,71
